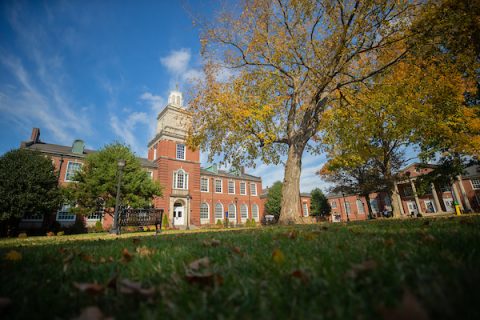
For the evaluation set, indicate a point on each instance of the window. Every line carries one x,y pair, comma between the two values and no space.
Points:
231,187
96,216
232,212
243,188
333,204
255,212
374,205
407,191
150,174
64,214
253,189
219,211
204,184
180,180
305,209
218,185
72,168
347,207
32,217
181,151
204,212
244,212
476,183
155,152
360,207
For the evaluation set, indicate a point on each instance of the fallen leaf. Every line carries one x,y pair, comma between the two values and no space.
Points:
144,251
90,313
389,242
127,286
136,240
211,243
13,255
409,308
292,234
90,288
126,255
87,258
199,263
428,238
300,275
278,256
207,279
361,268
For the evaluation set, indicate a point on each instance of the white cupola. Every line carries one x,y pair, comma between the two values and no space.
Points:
175,99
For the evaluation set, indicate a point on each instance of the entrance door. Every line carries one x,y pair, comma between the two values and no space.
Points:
412,208
178,214
449,206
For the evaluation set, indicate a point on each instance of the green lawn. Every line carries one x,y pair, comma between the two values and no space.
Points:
375,269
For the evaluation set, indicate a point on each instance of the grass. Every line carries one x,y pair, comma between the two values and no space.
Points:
363,270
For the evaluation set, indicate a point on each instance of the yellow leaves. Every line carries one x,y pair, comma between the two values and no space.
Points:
13,255
278,257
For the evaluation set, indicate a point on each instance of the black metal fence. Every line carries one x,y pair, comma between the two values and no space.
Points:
141,217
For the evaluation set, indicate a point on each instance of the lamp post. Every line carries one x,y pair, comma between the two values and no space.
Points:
121,165
188,212
345,206
236,207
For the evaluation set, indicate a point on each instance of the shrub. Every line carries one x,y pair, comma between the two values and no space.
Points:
165,222
50,234
22,235
77,227
60,233
98,226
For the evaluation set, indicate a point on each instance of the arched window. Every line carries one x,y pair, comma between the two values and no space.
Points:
204,213
255,212
244,212
232,211
218,211
180,179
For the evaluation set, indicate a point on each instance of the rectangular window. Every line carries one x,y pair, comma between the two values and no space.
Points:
32,217
155,152
243,188
305,209
231,187
218,185
150,174
181,151
347,207
96,216
180,180
204,184
360,207
333,204
374,205
445,188
72,168
64,214
407,191
476,183
253,189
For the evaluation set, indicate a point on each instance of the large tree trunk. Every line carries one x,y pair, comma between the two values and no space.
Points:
291,209
369,206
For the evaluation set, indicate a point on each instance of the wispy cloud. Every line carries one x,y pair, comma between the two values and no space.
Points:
38,96
179,65
127,129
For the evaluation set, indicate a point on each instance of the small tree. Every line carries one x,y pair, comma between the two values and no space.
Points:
319,205
273,205
28,186
98,180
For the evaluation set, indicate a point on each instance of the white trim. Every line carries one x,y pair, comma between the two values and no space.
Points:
184,185
305,209
208,184
215,212
433,204
254,189
64,215
234,218
184,151
228,186
473,186
66,169
207,219
243,205
245,188
256,218
215,185
361,208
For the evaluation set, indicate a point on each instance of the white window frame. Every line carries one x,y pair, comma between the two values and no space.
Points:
360,207
374,206
63,214
97,215
177,150
207,219
255,212
208,184
72,171
333,204
244,184
155,152
185,180
218,216
234,218
150,174
253,191
305,209
475,183
348,208
243,209
221,186
229,184
432,202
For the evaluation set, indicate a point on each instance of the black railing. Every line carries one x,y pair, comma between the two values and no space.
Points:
140,217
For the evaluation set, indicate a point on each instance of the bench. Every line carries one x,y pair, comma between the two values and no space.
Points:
140,217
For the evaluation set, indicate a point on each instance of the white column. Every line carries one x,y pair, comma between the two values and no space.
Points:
464,194
397,199
435,198
417,201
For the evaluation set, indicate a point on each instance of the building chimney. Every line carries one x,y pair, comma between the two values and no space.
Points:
35,135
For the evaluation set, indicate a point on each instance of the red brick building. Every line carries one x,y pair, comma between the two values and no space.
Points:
192,196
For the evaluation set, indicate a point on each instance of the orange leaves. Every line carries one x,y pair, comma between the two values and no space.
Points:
126,256
13,255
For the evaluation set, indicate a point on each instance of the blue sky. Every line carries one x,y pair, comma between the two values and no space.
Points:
100,71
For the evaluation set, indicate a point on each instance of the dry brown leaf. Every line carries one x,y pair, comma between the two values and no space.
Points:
199,263
207,279
409,309
278,256
292,234
87,258
300,275
361,268
90,288
13,255
144,251
237,250
127,286
126,255
211,243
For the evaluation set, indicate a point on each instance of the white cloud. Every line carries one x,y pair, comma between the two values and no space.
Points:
126,129
177,61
